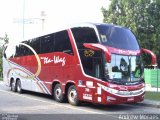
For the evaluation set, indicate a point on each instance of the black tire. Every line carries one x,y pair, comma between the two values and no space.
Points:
19,87
58,93
13,86
73,96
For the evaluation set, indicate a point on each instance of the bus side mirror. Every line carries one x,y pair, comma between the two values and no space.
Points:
153,56
97,47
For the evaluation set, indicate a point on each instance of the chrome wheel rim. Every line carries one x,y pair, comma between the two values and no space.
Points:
58,93
72,96
18,87
12,85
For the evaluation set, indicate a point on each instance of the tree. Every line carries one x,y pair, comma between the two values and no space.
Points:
5,40
141,16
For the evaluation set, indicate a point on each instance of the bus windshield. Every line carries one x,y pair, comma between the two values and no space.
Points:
124,68
117,37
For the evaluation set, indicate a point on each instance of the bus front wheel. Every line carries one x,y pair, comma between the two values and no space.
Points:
73,96
58,93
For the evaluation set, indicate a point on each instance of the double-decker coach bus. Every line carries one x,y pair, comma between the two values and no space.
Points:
97,63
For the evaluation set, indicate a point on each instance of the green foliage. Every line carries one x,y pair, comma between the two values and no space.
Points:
141,16
152,96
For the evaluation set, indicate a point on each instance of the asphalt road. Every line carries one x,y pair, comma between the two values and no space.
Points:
33,106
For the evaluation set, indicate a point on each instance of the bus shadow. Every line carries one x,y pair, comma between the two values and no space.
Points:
41,95
108,108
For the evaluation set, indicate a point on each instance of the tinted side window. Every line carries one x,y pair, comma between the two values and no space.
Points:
47,43
23,50
35,44
62,42
18,51
117,37
84,35
29,42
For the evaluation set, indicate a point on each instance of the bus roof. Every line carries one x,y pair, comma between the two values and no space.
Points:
60,28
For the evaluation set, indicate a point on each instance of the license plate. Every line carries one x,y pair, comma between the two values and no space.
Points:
130,99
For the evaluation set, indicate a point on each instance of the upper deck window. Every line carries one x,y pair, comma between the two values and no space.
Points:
117,37
84,35
62,42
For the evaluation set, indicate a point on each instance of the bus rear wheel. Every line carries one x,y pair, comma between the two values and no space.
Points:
73,96
19,86
13,86
58,93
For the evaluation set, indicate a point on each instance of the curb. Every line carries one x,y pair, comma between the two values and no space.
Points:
149,103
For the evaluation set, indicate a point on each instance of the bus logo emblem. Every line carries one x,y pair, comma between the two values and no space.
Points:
55,60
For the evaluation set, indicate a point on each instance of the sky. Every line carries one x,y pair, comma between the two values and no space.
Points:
42,16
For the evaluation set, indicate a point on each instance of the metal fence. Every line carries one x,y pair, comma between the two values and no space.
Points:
152,79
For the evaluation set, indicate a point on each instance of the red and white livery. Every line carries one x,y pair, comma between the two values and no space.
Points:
98,63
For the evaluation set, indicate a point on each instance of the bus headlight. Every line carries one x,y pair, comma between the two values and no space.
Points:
107,89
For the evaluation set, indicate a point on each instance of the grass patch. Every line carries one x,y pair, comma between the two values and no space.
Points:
1,79
152,95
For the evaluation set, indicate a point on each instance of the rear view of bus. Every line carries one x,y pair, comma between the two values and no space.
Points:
112,63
